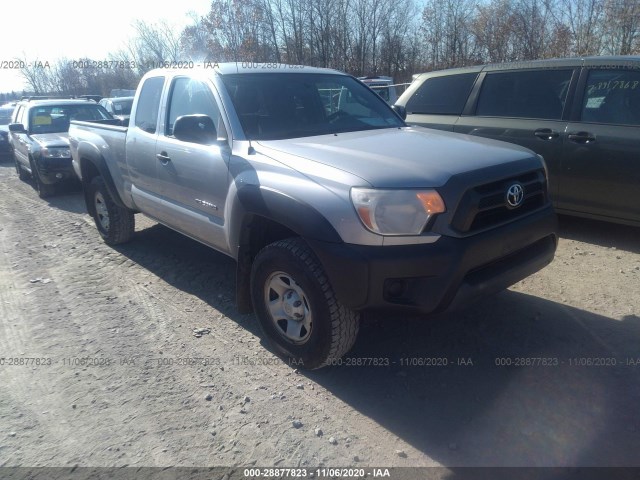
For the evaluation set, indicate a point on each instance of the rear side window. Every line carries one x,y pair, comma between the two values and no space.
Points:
530,94
612,96
148,104
442,95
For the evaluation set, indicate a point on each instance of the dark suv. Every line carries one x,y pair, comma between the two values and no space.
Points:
582,115
38,138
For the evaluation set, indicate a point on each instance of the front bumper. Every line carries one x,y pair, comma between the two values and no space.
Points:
445,275
55,170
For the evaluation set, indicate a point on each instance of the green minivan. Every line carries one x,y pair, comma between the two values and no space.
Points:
581,114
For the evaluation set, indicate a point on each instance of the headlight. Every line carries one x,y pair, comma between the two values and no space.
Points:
56,152
396,212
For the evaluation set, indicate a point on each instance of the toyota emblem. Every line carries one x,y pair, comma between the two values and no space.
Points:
515,195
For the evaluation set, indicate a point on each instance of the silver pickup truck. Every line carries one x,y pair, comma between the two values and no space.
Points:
330,204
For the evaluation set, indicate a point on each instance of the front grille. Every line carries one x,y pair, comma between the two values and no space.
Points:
485,206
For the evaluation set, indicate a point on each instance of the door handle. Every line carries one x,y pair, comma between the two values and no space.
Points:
163,157
582,137
546,134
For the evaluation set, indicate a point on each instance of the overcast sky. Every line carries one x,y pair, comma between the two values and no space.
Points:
47,30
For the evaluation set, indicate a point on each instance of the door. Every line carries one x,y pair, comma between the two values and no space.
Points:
194,177
141,148
526,108
601,158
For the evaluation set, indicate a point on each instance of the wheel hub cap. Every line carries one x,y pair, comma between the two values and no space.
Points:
293,305
288,307
101,211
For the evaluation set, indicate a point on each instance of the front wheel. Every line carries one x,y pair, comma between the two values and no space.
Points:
44,189
296,307
115,224
22,175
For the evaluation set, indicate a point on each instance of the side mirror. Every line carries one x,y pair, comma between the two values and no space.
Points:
17,128
400,110
195,129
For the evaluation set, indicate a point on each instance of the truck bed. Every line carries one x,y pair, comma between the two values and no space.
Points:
109,139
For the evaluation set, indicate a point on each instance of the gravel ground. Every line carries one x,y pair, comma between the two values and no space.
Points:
102,366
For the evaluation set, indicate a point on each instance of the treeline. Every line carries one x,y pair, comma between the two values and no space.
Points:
361,37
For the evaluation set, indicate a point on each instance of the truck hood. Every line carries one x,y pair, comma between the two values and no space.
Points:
52,139
396,158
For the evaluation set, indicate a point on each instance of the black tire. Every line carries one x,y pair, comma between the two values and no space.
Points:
115,224
22,174
44,190
326,329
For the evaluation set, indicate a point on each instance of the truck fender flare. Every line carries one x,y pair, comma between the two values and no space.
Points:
89,154
294,214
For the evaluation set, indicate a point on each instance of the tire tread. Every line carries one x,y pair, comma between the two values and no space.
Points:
121,220
344,322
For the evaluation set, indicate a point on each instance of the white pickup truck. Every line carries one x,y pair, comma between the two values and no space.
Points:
330,204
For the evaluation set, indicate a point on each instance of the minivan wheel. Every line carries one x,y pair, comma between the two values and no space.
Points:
115,224
296,307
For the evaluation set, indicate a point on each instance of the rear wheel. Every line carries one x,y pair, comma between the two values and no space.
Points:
296,307
115,224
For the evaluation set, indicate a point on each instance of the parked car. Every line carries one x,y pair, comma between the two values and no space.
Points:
383,86
119,107
582,115
327,213
6,111
38,138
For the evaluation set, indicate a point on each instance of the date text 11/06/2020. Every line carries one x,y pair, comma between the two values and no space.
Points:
322,472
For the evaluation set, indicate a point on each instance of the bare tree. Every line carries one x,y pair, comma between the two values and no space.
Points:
154,44
37,74
622,27
447,32
492,27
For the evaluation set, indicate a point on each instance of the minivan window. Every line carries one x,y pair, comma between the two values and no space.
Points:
148,104
612,96
442,95
528,94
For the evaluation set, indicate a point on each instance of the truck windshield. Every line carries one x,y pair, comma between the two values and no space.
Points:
274,106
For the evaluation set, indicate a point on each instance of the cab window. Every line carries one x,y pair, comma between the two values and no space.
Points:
190,97
149,104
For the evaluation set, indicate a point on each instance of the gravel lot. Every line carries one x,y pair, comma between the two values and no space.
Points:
146,397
